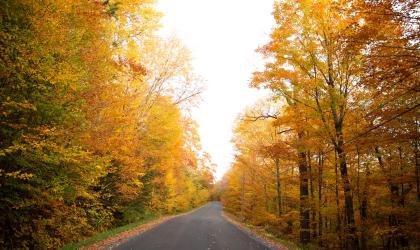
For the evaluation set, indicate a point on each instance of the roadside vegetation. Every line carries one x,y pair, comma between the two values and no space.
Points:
331,159
96,133
109,233
95,128
261,233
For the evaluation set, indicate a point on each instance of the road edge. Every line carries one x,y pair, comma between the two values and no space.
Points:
125,236
266,241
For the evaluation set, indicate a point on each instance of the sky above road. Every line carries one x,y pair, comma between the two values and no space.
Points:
222,36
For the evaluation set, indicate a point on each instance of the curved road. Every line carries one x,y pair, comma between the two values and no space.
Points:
203,229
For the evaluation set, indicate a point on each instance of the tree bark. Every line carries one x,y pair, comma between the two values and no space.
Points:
320,169
304,192
417,168
243,197
402,200
312,202
337,202
363,210
362,196
348,199
396,238
278,187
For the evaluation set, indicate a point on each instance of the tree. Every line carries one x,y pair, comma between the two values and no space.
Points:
346,91
87,130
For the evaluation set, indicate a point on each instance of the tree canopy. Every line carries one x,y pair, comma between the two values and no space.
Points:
94,131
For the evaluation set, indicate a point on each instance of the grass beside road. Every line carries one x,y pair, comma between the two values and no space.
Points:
109,233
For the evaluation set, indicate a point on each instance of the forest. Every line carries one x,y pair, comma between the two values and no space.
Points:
97,131
95,124
331,159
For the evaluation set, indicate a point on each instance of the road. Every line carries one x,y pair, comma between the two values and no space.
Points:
203,229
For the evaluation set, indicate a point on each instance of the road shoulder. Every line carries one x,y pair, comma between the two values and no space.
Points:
270,242
117,239
122,237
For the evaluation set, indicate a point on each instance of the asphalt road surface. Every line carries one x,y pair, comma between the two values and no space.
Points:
203,229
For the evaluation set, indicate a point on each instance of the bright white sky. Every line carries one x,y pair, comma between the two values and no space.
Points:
222,36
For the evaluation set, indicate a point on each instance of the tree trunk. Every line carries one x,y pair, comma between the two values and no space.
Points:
243,197
363,202
348,199
363,210
303,183
278,187
396,237
267,207
312,202
417,169
402,199
320,169
337,202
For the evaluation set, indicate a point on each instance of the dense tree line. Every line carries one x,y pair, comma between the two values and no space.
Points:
94,124
332,159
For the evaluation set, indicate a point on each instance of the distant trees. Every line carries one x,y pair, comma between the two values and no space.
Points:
92,129
345,89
